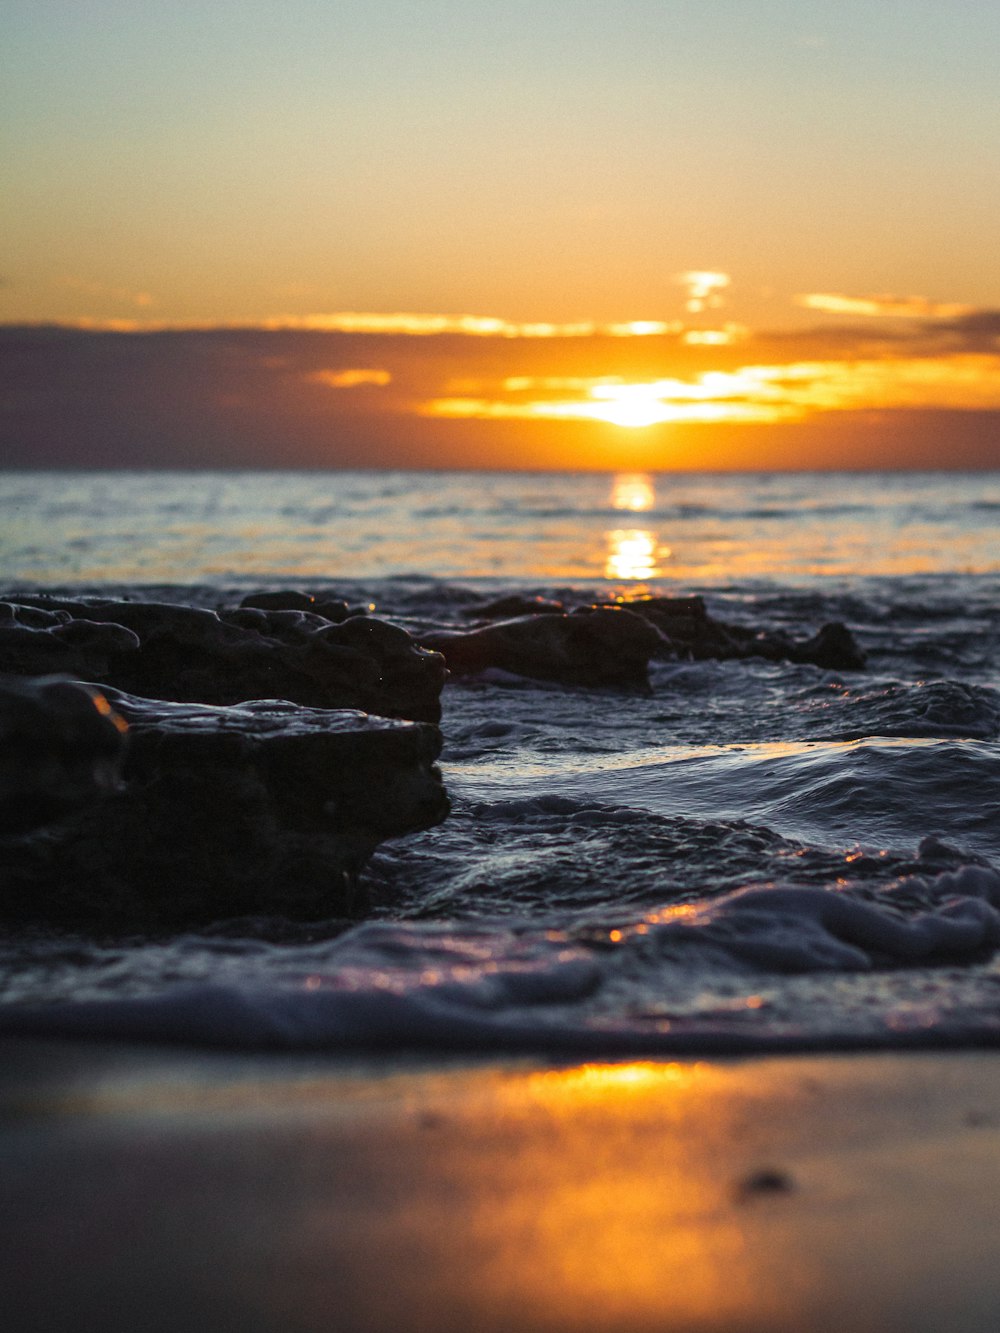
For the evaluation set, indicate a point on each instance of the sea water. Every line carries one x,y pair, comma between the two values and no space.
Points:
749,856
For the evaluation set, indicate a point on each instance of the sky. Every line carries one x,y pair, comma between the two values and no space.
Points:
719,233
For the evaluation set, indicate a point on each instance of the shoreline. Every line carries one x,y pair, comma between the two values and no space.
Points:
175,1188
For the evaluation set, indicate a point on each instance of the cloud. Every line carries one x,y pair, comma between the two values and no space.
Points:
476,326
247,397
783,392
349,379
881,306
729,333
704,289
393,324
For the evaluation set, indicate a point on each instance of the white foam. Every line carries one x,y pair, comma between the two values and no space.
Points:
657,985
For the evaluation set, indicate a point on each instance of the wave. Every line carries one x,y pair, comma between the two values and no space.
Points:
883,792
708,977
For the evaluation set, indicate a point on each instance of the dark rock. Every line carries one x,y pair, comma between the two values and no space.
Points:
38,642
61,747
260,808
833,647
187,654
690,632
286,600
592,646
506,608
289,600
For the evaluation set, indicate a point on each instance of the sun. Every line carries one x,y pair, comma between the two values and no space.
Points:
635,405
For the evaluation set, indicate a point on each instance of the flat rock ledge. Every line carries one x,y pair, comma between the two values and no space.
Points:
261,808
186,654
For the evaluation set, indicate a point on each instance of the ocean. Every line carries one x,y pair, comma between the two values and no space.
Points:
745,854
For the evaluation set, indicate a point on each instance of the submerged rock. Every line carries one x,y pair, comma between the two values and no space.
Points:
690,632
61,747
591,646
259,808
187,654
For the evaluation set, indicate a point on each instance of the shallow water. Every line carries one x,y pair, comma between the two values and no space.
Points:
748,856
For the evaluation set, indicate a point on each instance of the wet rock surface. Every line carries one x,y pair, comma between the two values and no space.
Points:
61,749
690,632
611,644
189,654
591,646
262,807
35,641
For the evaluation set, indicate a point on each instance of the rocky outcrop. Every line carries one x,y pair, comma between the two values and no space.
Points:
189,654
592,646
61,750
259,808
35,641
690,632
289,599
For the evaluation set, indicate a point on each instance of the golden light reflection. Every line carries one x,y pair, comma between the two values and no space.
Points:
615,1210
633,490
632,554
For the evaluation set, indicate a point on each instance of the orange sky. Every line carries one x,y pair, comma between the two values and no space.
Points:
922,393
661,234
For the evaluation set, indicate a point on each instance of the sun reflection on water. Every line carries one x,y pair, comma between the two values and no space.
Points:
632,490
633,553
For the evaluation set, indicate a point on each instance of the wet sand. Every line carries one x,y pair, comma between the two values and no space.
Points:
176,1190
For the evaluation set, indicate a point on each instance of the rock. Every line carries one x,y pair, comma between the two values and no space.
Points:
61,747
289,600
37,642
187,654
260,808
833,647
591,646
506,608
690,632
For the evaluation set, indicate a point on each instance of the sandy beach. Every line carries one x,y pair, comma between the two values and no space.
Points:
173,1189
